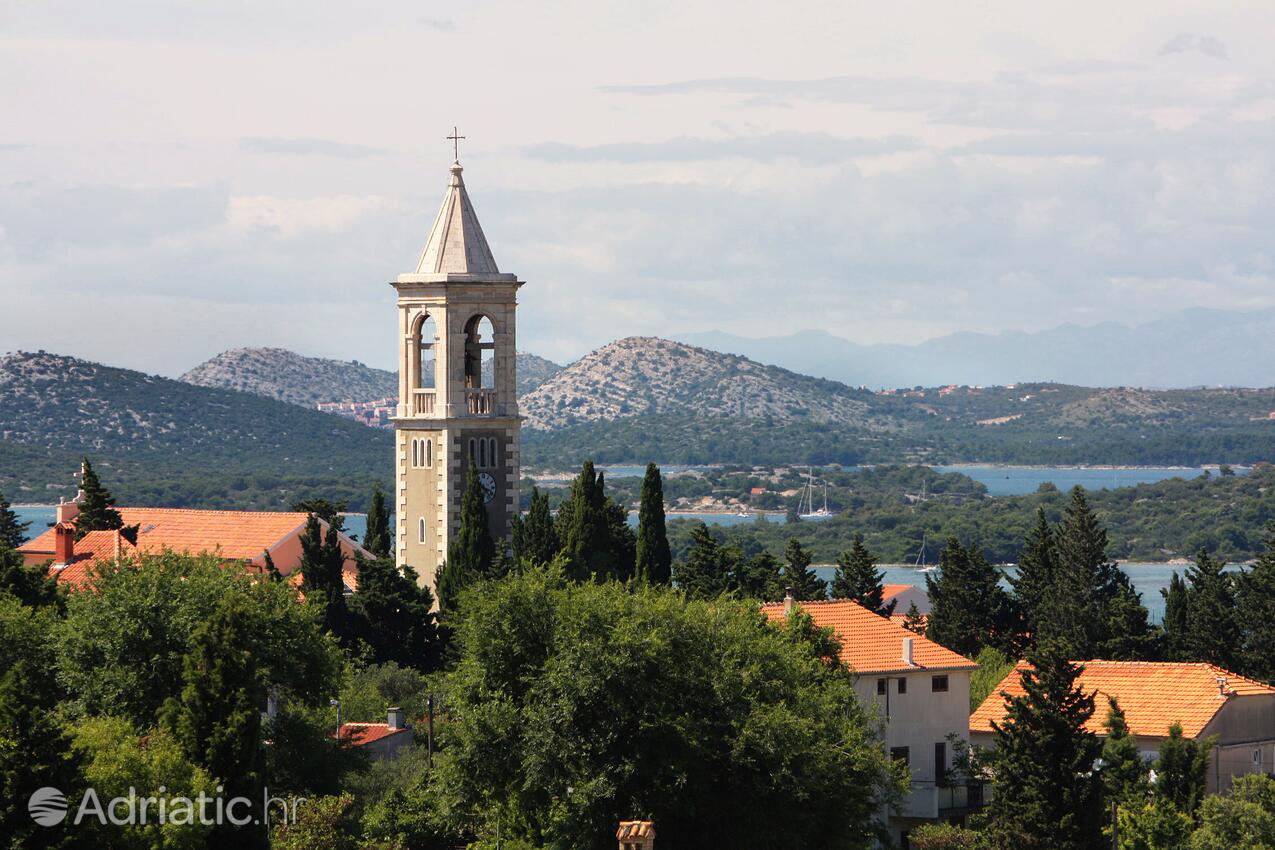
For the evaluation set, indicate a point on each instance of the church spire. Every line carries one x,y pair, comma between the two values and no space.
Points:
456,245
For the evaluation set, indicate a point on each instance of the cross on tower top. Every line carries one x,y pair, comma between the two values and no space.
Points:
455,138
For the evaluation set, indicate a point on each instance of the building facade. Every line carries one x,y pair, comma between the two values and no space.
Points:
455,311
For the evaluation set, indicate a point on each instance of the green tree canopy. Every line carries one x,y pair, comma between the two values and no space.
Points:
858,578
395,615
378,540
535,541
471,550
1123,771
13,532
654,560
574,706
29,585
1174,625
1244,818
97,505
1047,794
1255,613
968,607
1212,634
322,570
1181,771
1036,572
799,576
706,571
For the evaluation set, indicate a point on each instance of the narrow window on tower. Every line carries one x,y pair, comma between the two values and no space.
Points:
413,454
482,453
473,450
429,453
491,451
421,529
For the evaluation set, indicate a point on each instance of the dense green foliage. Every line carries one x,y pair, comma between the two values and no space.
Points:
1225,516
576,705
969,609
1181,771
1124,774
1243,818
858,578
97,505
653,561
535,540
12,531
378,539
1255,613
470,551
322,571
1048,797
594,531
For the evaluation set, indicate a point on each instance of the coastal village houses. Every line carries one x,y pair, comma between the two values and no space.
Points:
242,537
920,693
1206,700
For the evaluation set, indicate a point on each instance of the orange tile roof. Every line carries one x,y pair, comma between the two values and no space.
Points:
361,734
891,590
235,535
871,643
88,549
1152,694
630,829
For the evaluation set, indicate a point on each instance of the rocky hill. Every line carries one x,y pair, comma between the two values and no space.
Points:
287,376
149,432
647,376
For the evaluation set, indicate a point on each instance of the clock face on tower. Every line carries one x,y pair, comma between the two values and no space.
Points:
489,486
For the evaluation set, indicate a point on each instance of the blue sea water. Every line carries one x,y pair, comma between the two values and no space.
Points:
1019,480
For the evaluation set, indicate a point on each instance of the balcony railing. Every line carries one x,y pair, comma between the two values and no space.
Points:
927,800
480,402
423,402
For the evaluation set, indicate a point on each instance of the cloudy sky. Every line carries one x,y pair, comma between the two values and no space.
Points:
178,178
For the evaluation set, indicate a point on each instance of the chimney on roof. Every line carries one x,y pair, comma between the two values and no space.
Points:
1221,685
63,543
636,835
907,652
394,718
788,601
67,511
117,544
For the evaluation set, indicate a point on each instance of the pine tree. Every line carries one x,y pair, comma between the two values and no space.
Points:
1181,771
759,577
1036,573
13,533
535,541
217,717
1255,613
1047,794
1124,774
706,572
914,620
322,569
1176,602
622,542
798,576
396,616
1211,634
968,608
377,539
97,507
857,578
654,560
471,552
1092,609
329,512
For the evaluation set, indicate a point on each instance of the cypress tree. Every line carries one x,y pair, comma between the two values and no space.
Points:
1255,613
1047,794
1176,601
377,540
1124,774
471,551
1211,634
914,620
13,533
535,541
217,717
968,608
1181,771
654,561
806,586
323,577
1036,573
584,527
857,578
97,507
706,572
621,543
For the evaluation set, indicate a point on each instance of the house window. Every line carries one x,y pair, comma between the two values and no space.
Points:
899,754
940,761
421,527
881,686
938,684
903,685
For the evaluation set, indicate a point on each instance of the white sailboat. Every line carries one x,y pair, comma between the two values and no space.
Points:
808,498
920,566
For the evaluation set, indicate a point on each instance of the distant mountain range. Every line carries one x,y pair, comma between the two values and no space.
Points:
287,376
165,442
1191,349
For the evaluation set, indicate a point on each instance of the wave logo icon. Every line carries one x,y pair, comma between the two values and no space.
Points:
47,806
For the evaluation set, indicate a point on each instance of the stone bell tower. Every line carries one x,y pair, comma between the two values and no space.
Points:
457,404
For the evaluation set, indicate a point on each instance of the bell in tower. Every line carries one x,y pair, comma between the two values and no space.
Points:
457,401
